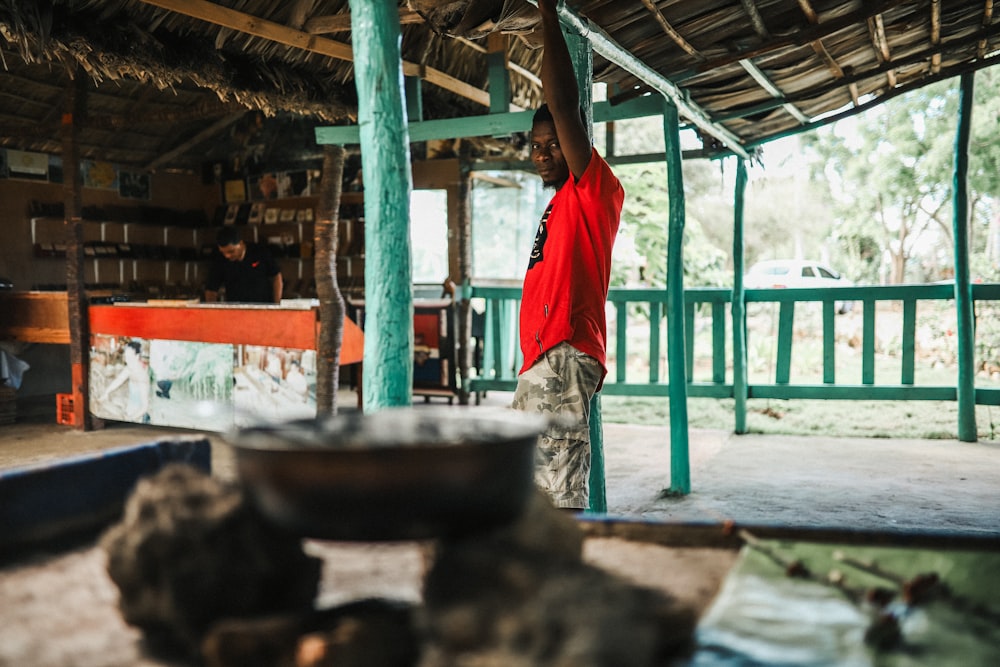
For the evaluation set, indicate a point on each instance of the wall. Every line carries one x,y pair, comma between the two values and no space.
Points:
17,261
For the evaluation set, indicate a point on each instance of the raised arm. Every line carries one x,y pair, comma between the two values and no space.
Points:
561,91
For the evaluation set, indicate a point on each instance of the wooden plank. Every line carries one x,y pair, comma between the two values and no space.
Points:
34,317
275,32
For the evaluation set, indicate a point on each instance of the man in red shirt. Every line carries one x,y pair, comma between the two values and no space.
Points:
563,329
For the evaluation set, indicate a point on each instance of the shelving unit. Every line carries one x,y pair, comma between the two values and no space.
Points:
291,242
173,261
134,257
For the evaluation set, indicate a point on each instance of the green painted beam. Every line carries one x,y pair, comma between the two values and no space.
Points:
387,373
852,392
965,325
494,124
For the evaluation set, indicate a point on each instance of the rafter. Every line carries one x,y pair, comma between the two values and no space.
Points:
987,21
876,29
756,20
797,38
935,34
207,133
836,71
252,25
318,25
671,32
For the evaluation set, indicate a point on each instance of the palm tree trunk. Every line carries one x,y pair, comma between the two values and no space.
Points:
331,301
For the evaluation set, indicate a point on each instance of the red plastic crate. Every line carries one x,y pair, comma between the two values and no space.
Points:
64,410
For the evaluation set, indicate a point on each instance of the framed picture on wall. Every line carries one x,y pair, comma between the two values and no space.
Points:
234,190
133,185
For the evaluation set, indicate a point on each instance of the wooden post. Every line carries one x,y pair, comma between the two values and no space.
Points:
462,250
79,327
680,469
963,287
385,158
331,301
739,310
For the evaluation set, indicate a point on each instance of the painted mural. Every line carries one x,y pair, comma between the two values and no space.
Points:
207,386
193,384
273,384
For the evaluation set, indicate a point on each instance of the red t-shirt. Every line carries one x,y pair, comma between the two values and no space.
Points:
566,285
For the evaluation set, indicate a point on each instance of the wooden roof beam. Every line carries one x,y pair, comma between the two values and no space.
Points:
512,66
876,30
936,34
762,79
987,21
207,133
798,38
318,25
756,20
672,32
275,32
836,71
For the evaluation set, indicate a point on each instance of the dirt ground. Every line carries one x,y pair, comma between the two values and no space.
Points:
922,486
861,483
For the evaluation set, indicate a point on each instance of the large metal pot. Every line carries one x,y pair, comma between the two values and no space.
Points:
401,473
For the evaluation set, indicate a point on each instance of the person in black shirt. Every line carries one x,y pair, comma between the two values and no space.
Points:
245,271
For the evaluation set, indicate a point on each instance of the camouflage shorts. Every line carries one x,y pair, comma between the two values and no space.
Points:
559,386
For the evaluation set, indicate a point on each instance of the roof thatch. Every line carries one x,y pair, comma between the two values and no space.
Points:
171,82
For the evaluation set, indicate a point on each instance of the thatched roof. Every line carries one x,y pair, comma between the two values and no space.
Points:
170,83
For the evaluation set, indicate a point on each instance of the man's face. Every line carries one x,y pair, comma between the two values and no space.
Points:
234,252
547,155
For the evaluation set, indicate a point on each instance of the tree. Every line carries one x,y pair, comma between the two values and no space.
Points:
891,181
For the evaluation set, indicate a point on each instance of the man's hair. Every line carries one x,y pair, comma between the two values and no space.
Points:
228,236
543,115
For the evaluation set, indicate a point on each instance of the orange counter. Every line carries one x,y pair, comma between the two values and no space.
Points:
207,366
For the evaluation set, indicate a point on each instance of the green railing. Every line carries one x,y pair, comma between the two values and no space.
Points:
501,359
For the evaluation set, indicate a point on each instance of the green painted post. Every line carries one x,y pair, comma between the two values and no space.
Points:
654,342
963,286
385,157
680,468
739,310
499,77
907,374
583,66
829,343
868,343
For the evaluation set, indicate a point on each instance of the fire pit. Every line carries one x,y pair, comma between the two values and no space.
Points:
398,474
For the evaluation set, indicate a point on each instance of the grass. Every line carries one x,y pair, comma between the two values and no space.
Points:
935,366
870,419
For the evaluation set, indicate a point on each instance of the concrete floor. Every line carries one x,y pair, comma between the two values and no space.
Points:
816,481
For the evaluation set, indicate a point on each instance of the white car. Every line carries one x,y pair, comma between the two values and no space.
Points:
795,273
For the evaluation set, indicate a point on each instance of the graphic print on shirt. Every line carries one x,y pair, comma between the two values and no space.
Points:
540,236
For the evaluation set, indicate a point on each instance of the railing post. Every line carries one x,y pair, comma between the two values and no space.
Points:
680,469
739,310
963,288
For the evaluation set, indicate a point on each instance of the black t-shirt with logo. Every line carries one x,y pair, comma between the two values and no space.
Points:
249,280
